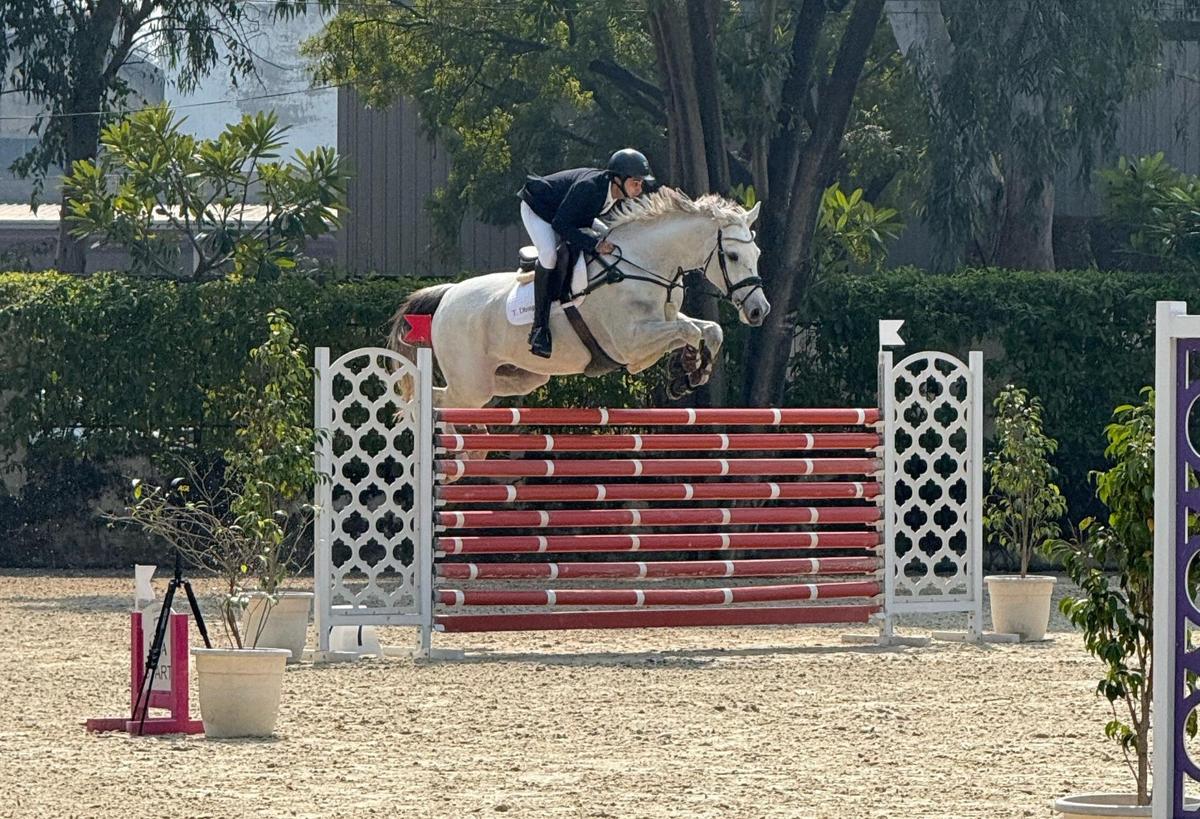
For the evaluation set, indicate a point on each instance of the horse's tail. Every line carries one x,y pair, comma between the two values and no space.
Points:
421,302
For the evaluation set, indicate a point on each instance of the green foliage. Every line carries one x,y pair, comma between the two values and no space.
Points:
113,366
193,515
271,462
581,79
1156,208
1023,508
1022,84
99,374
96,371
508,88
885,150
1080,340
613,390
68,56
150,169
852,234
1117,618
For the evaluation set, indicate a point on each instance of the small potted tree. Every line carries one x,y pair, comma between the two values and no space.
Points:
272,468
1115,613
240,685
1021,513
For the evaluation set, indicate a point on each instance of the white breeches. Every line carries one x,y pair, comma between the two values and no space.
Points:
546,241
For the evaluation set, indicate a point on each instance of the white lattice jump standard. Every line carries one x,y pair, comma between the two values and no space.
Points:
454,519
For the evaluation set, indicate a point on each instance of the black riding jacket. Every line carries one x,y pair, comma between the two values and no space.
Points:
569,201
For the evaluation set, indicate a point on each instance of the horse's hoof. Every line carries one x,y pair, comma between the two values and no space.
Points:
678,387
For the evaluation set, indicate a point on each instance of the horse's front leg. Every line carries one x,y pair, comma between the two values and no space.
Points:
710,331
654,339
691,366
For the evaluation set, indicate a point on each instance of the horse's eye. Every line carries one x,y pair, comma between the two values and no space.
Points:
733,257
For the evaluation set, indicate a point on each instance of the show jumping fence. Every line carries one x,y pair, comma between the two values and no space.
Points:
467,520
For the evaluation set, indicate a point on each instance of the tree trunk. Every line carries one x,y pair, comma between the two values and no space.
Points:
772,343
82,143
685,130
758,140
706,80
1143,742
770,346
90,64
923,39
1025,240
685,38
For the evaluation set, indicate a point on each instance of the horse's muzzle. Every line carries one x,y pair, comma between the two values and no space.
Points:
755,313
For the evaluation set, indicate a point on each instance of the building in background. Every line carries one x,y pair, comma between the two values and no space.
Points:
282,85
396,169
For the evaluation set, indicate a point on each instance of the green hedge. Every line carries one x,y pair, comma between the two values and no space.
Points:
128,360
99,374
97,370
1083,341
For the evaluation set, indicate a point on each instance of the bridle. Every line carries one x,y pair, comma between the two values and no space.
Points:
612,274
753,282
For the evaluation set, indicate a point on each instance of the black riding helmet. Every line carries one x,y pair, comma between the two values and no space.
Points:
627,162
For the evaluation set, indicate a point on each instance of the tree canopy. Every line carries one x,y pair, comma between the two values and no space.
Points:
67,55
718,93
1016,92
509,89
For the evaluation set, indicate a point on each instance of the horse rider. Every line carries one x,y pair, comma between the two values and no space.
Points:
559,207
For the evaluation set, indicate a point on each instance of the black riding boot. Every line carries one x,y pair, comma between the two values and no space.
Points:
544,291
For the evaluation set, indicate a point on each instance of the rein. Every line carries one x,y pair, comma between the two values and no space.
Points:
613,274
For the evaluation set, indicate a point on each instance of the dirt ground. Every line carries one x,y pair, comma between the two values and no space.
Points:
737,722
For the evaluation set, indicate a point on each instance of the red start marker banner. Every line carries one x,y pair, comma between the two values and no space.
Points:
419,328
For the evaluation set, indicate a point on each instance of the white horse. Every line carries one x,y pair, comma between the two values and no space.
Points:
636,319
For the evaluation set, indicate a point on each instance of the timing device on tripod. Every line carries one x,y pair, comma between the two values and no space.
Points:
171,692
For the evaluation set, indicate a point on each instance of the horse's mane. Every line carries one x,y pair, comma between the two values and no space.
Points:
666,201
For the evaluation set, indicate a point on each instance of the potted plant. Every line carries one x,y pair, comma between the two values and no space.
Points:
272,468
1021,513
240,685
1115,613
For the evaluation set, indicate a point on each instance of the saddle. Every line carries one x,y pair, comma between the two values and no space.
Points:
527,264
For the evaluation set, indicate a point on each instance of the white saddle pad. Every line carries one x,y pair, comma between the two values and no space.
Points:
519,304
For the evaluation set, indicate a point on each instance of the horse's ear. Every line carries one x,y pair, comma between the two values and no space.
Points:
752,214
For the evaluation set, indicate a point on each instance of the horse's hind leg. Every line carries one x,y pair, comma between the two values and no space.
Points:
515,381
467,390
